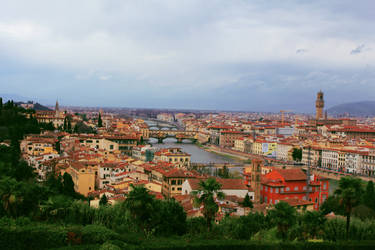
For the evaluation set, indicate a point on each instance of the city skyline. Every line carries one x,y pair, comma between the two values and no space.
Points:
216,55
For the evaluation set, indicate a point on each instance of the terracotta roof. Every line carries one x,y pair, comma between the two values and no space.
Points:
291,174
225,184
297,202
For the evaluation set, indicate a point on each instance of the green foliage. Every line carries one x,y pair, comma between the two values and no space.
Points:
82,128
369,196
140,205
103,200
205,195
284,216
332,204
244,227
312,223
247,202
100,122
196,226
349,195
363,212
335,230
297,154
224,172
32,237
170,218
97,234
68,185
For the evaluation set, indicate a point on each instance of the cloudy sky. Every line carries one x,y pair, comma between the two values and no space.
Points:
211,54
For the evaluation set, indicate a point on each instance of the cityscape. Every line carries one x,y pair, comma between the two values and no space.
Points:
242,150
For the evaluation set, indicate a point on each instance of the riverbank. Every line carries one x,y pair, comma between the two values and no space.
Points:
220,152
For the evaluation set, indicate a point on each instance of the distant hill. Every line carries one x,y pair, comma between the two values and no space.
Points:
38,106
365,108
32,105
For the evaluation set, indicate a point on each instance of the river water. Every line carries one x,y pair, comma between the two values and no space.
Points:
199,155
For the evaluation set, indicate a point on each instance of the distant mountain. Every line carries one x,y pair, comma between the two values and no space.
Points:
14,97
365,108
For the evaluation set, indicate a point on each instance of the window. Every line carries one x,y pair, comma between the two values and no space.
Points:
287,189
110,146
295,188
266,188
324,186
179,182
271,190
173,182
276,190
282,190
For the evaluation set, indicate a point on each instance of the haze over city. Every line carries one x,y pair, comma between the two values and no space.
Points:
228,55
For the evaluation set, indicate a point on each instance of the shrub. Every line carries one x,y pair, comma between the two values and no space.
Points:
97,234
109,246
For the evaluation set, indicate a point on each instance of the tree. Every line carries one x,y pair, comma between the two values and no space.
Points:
349,194
100,122
68,185
65,127
140,205
331,204
170,217
247,202
103,200
369,195
224,172
297,154
205,195
284,216
312,223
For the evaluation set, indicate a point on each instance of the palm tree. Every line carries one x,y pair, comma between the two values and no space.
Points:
205,195
349,194
140,205
284,216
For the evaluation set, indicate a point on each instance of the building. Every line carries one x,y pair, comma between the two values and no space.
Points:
56,117
173,180
173,155
83,177
228,138
283,184
319,104
236,187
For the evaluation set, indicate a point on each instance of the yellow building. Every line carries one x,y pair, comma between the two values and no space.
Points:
83,177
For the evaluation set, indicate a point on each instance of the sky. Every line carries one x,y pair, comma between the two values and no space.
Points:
193,54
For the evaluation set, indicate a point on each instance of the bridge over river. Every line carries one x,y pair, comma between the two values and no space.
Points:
180,135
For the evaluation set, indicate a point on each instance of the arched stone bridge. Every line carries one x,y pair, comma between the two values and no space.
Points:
178,134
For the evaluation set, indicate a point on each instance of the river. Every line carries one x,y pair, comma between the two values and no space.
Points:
199,155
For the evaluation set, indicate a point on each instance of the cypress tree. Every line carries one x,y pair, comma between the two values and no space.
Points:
100,122
103,201
369,195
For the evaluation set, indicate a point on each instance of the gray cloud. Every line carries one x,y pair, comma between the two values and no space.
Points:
357,50
301,51
188,48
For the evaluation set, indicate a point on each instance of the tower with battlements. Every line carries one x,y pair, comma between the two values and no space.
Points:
319,104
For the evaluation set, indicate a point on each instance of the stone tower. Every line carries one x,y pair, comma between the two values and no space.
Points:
57,109
319,104
256,173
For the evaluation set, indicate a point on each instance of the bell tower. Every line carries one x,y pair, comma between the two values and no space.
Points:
319,104
256,172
